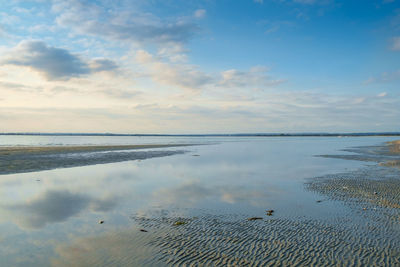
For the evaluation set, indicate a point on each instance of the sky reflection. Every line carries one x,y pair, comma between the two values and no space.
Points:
54,206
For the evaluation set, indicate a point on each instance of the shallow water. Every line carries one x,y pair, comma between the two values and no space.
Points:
51,217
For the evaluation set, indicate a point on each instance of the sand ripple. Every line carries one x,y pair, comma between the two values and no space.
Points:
232,241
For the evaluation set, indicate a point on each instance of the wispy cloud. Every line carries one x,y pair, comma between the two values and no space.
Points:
200,13
255,77
386,77
122,24
395,45
189,76
181,75
267,112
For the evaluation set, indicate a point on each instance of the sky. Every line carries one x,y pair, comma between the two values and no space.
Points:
199,66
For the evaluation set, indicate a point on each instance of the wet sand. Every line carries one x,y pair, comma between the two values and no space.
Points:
382,154
394,146
370,236
235,241
31,159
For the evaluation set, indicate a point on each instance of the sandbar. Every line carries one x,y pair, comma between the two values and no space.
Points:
37,158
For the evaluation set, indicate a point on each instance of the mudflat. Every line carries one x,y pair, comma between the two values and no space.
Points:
10,151
37,158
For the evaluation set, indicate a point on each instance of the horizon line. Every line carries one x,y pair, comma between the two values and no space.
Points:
212,134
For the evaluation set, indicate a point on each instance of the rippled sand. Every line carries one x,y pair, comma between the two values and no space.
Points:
233,241
369,237
30,159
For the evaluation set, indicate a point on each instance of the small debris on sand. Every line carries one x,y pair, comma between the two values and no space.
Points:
319,201
254,218
195,155
270,212
143,230
101,222
179,223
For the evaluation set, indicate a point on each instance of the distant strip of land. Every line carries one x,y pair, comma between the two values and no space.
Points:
38,158
216,135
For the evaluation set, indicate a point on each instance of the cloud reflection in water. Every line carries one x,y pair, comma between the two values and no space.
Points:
55,206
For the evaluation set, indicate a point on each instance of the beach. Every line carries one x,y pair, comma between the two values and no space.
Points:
279,202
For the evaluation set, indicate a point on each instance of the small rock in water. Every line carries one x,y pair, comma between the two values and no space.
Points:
101,222
319,201
254,218
143,230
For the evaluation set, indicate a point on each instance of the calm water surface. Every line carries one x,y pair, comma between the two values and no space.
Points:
41,213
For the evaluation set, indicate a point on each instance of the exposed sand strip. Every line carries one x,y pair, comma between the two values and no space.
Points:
386,155
10,151
30,159
394,147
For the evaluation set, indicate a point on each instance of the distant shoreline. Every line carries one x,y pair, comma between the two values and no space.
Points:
217,135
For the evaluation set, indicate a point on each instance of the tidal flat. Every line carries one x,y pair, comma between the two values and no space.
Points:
239,202
15,159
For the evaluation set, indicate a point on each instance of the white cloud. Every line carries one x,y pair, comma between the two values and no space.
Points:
126,24
182,75
270,111
173,72
255,77
395,43
8,19
200,13
173,52
386,77
383,94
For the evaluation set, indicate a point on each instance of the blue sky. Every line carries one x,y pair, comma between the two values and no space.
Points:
200,66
